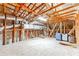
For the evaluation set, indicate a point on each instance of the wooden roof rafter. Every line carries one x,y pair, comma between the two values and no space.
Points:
70,11
40,9
29,5
33,6
7,6
24,10
58,19
70,14
30,12
64,13
36,8
9,15
69,7
53,7
25,7
47,6
17,8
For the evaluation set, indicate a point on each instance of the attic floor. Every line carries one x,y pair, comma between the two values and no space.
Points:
38,47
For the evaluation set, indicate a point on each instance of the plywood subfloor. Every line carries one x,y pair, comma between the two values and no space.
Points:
38,47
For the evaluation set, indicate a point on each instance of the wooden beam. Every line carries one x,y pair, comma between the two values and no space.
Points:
4,31
53,29
25,7
53,7
40,9
77,28
22,13
47,6
71,31
13,32
61,27
29,5
65,9
33,6
20,32
70,14
70,11
13,13
36,8
31,9
64,28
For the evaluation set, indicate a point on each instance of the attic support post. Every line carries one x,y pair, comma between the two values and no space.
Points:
13,32
4,31
61,27
77,28
20,32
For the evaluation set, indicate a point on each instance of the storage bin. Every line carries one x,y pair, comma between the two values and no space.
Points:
65,37
71,39
58,36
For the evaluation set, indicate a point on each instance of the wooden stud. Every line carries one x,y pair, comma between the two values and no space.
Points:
20,32
40,9
36,8
60,27
53,29
68,12
13,32
77,28
64,28
4,31
65,9
53,7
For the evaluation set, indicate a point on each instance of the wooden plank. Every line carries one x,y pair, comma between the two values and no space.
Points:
20,6
33,6
64,28
20,32
53,7
71,31
77,28
31,9
13,32
68,44
25,8
61,27
53,29
13,14
29,5
70,11
65,13
40,9
4,31
65,9
36,8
